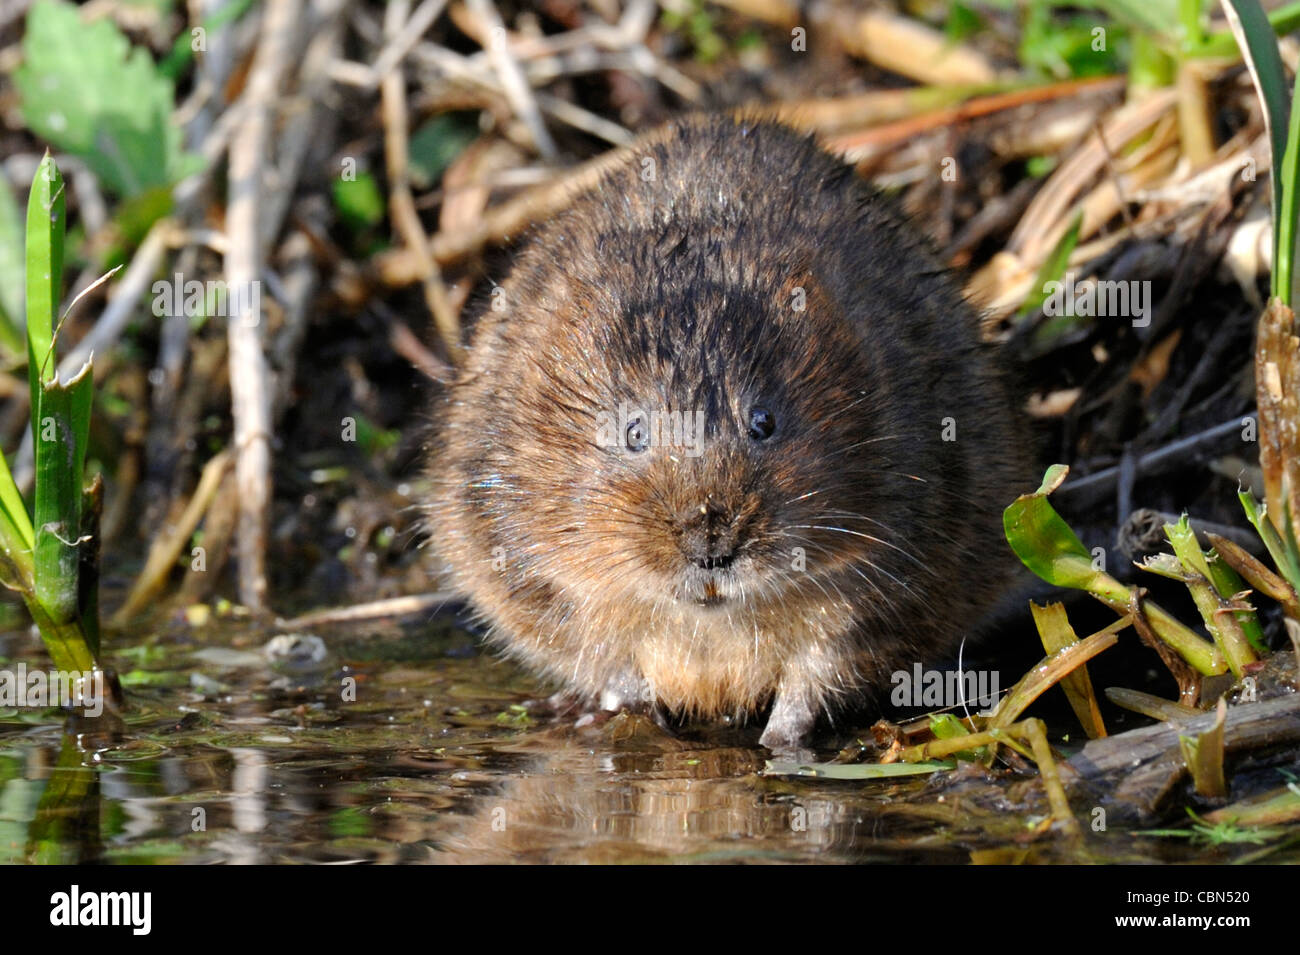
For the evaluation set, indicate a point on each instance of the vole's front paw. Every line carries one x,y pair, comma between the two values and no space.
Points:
789,726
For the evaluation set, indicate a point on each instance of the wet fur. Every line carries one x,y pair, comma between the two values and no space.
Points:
678,293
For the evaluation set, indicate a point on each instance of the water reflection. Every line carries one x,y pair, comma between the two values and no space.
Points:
435,757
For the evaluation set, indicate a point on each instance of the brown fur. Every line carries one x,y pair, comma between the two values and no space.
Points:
599,566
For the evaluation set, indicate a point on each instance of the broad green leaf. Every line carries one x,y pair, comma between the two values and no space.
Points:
1049,547
86,90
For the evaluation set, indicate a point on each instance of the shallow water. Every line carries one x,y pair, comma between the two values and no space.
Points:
443,756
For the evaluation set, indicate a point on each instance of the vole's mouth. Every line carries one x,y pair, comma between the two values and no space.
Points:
715,563
714,581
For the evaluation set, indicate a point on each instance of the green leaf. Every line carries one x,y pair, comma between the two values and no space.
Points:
435,144
46,224
13,511
359,201
16,536
86,90
1286,561
11,274
60,468
1049,547
1053,268
48,573
183,50
1224,627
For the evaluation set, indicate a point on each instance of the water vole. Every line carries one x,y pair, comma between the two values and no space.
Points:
725,438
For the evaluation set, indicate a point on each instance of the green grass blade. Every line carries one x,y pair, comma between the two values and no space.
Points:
1284,20
1287,563
1284,274
46,224
60,428
1223,626
13,511
60,466
1229,583
11,274
92,508
1258,45
1053,267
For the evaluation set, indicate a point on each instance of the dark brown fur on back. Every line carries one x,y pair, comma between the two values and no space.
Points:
727,268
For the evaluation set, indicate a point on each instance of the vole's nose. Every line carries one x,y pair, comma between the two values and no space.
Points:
708,536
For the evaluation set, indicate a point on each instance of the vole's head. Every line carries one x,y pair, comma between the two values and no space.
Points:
714,445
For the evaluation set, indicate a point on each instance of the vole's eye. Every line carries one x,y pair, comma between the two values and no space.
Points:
761,424
638,435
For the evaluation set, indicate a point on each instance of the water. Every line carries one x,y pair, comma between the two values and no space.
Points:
441,754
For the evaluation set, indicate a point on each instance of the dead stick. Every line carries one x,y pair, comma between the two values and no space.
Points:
249,374
167,548
401,203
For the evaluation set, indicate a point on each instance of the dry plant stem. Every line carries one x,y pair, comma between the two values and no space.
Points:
1148,705
509,218
462,68
1054,628
1257,574
1052,670
416,604
1194,123
910,48
1184,674
1203,755
122,301
1036,734
212,70
166,548
218,530
249,373
858,146
842,114
585,120
401,204
1029,731
779,13
305,121
516,87
396,47
1093,486
1277,389
300,284
1048,215
512,217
